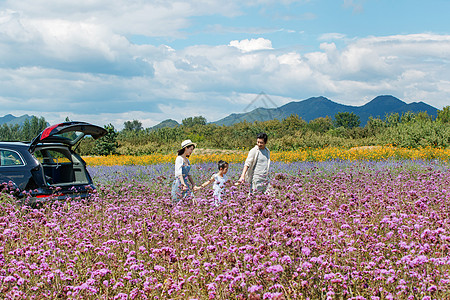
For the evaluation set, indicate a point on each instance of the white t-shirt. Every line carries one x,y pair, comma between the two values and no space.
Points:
179,162
219,184
261,169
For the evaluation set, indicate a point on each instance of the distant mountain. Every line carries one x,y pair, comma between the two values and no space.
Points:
12,120
166,123
382,105
316,107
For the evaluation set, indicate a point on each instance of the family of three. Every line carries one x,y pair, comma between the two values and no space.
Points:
255,172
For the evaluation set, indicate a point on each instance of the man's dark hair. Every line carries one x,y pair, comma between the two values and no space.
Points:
263,136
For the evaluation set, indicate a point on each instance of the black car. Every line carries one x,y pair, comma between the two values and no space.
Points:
48,167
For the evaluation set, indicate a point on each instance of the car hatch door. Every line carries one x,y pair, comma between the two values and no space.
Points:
68,133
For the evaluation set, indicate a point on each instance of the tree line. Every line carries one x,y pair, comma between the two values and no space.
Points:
343,130
25,132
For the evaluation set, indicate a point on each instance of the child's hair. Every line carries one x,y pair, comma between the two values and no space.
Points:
222,164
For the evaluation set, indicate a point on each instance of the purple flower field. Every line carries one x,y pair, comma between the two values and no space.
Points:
330,230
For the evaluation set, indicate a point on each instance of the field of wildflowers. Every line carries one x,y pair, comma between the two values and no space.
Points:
328,230
324,154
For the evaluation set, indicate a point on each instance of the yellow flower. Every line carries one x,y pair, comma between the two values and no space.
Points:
328,153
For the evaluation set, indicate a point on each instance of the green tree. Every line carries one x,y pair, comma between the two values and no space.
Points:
375,126
292,124
132,126
10,132
417,134
346,120
37,125
321,124
443,115
107,144
192,121
407,117
392,119
25,130
423,116
32,127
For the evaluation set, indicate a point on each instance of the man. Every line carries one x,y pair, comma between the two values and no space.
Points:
256,166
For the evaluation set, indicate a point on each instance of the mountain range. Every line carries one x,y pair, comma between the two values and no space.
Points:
316,107
309,109
12,120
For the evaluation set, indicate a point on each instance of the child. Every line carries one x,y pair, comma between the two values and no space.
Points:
219,180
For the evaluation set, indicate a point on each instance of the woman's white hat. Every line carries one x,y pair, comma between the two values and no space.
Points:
187,143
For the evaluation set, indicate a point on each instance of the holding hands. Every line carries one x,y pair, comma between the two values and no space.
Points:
240,181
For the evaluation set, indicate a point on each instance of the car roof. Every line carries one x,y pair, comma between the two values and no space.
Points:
24,146
15,145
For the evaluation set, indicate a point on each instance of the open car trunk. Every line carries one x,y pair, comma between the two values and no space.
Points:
62,167
68,133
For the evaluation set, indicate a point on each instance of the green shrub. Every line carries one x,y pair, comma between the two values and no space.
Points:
408,130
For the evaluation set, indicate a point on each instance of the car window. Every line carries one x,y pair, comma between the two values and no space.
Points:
52,156
10,158
71,135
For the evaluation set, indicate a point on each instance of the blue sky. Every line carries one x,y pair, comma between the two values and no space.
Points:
106,61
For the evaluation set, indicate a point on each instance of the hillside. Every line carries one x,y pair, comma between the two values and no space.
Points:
316,107
9,119
166,123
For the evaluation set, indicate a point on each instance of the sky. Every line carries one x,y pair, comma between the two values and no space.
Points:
112,61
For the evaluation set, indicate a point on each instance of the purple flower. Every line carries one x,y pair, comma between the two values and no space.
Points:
101,272
272,295
254,288
432,288
9,279
121,296
286,259
159,268
275,269
306,251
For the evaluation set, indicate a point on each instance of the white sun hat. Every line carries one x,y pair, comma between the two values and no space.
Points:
187,143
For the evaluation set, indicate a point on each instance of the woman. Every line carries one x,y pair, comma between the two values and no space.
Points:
180,186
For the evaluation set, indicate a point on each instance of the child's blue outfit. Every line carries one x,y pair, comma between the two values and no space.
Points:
219,188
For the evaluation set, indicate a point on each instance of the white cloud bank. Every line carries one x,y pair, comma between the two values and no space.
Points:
252,45
82,65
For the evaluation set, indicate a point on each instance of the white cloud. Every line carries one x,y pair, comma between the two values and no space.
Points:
65,58
331,36
214,81
355,5
149,18
252,44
